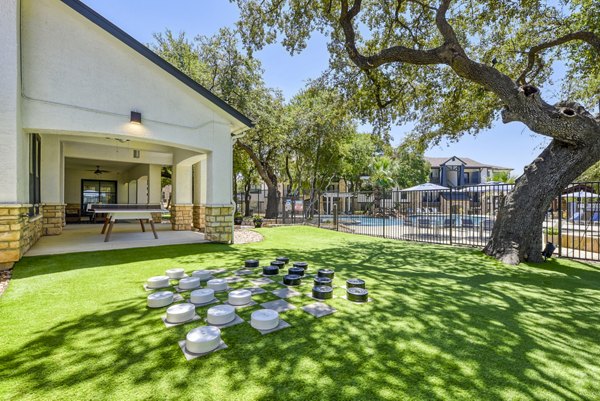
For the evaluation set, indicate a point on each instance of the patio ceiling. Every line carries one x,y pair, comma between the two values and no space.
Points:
91,164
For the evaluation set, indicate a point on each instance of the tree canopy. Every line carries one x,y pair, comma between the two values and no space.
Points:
443,64
218,63
454,67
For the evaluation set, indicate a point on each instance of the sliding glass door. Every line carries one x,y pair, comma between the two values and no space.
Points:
97,191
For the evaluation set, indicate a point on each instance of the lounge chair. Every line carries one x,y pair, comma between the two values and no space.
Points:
595,217
448,223
576,218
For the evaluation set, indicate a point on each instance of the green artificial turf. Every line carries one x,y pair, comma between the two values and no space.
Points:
446,323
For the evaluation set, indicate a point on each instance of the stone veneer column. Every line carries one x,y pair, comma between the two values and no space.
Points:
157,217
199,217
53,219
17,233
219,223
181,217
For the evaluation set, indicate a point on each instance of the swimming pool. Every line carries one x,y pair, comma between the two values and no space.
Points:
421,220
457,220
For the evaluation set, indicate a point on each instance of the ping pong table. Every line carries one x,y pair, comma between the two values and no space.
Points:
115,212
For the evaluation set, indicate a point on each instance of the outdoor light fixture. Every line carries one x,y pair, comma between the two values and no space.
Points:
136,117
136,153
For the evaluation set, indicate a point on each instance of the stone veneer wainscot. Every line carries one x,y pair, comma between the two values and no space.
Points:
18,232
219,223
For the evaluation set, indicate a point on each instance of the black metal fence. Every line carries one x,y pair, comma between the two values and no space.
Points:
463,216
573,222
293,208
460,216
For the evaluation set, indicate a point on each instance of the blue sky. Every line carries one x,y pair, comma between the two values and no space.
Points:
511,145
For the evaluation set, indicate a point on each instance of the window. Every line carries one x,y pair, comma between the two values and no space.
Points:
97,191
35,153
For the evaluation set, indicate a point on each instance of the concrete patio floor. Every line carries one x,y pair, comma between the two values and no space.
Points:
87,237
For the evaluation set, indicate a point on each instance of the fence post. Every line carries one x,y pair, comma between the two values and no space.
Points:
382,209
293,209
451,217
560,225
335,217
318,203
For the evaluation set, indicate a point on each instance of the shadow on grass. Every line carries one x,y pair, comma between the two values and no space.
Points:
446,323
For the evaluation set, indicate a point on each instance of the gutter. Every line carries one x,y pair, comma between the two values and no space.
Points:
240,133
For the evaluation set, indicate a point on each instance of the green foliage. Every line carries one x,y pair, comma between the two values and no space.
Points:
411,168
503,176
217,63
319,131
357,156
437,98
382,173
166,173
592,174
244,170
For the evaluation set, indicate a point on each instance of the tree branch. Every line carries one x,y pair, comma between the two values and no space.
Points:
257,162
566,124
585,36
380,103
443,26
391,54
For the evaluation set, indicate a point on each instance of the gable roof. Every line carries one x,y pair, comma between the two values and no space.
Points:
469,163
128,40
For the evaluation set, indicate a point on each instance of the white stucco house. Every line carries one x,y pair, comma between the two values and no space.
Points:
89,114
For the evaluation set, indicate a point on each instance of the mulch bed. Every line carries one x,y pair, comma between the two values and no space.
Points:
245,236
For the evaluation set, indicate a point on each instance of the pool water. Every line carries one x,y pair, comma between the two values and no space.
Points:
414,220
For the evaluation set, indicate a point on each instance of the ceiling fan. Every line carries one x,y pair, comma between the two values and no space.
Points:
98,171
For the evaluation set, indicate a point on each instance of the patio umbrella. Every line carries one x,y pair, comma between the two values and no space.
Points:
425,187
488,187
581,195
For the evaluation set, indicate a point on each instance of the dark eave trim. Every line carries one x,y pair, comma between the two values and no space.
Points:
118,33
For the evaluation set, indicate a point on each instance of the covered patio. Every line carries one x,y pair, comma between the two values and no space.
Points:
87,238
93,116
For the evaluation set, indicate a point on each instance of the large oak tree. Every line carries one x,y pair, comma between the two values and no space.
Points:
456,66
218,63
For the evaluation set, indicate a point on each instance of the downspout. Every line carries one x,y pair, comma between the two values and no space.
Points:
240,133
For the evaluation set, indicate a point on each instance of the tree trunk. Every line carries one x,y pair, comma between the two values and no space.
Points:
247,199
376,200
289,175
267,173
517,233
313,181
272,201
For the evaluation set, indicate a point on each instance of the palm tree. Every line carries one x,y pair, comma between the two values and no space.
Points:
503,176
381,178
